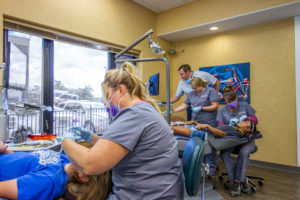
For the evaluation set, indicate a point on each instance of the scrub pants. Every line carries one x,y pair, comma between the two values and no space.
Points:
238,170
211,158
189,113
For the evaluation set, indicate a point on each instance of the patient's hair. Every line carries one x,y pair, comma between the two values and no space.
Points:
98,187
126,76
198,82
229,94
185,67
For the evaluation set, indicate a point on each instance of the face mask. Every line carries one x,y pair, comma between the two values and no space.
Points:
113,109
188,81
232,105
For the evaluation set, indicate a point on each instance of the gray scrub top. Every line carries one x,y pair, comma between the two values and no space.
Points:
225,115
230,131
204,99
152,169
184,88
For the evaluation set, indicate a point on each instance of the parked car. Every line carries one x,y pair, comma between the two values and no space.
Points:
65,97
90,115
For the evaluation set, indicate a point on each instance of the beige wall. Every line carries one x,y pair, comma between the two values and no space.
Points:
116,21
204,11
270,50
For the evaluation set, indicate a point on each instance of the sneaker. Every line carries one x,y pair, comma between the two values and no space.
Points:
236,189
245,186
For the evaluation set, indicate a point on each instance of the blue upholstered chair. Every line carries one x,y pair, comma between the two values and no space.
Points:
193,167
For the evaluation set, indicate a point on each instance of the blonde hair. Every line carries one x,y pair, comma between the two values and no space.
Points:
229,93
198,82
126,76
97,188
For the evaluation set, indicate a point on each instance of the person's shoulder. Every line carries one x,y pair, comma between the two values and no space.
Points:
243,103
199,73
223,109
212,90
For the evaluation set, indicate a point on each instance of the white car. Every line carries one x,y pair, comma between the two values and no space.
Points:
90,115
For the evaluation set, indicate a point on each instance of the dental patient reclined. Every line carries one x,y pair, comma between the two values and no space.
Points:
192,128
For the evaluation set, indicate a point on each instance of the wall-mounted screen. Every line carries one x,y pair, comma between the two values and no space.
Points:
237,75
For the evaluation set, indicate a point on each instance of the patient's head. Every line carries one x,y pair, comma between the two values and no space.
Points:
88,187
247,127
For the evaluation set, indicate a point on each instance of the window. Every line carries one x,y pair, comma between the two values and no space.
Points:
79,72
76,71
25,68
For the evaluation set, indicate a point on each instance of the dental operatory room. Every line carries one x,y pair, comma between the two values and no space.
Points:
149,99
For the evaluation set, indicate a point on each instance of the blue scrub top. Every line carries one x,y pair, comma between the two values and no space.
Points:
40,174
204,99
225,115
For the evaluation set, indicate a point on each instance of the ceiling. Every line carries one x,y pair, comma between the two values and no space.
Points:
161,5
245,20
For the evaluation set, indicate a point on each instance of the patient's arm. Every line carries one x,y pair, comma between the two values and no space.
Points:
9,189
215,131
181,130
191,122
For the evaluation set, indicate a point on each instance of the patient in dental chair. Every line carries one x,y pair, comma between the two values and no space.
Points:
46,174
242,129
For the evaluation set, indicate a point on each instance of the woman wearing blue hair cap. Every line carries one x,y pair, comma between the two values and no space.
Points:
138,145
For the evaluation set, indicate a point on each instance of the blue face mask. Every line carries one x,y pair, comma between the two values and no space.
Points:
188,81
113,109
232,105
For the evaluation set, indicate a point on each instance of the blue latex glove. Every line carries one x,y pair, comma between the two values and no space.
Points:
196,109
70,136
82,133
234,121
165,113
243,118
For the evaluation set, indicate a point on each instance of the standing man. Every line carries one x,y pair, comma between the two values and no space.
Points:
184,86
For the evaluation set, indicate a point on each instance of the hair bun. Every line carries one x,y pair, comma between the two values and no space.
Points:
228,88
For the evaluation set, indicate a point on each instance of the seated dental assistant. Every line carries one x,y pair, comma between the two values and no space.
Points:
138,146
204,102
233,113
184,87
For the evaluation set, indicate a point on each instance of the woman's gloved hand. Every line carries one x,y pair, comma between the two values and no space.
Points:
82,133
70,136
234,121
196,109
243,118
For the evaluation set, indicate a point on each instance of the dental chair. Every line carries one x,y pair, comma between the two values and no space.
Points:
193,167
192,151
232,141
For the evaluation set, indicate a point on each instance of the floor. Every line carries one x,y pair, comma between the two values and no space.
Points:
278,184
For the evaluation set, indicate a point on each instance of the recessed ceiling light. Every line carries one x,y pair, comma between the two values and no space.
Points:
214,28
